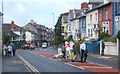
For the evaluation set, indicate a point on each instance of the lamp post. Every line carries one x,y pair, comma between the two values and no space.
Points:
53,31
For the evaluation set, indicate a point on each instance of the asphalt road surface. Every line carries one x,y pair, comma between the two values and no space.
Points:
42,61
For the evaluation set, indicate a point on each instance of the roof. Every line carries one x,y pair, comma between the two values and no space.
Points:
102,5
77,18
12,34
8,27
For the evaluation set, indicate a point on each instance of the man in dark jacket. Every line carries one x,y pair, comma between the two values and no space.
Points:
14,49
63,51
76,50
103,47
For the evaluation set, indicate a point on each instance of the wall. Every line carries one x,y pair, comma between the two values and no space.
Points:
111,48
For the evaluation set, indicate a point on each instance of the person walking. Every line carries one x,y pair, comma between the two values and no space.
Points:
9,49
67,51
13,49
83,52
102,44
76,50
4,50
63,51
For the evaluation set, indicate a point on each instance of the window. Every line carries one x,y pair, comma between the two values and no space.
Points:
100,16
83,25
90,18
96,16
91,33
88,32
118,8
106,14
106,29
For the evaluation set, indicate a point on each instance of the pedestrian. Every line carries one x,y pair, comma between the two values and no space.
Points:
63,51
83,52
67,51
9,49
13,49
4,50
76,50
102,44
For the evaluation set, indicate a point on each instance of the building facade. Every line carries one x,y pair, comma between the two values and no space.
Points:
105,18
92,26
116,16
64,24
41,33
75,28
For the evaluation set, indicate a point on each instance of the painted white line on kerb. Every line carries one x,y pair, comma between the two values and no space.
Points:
75,66
52,59
94,67
101,65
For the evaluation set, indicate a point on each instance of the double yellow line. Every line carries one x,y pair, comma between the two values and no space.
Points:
29,65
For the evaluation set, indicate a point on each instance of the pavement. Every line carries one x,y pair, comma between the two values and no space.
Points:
13,64
108,57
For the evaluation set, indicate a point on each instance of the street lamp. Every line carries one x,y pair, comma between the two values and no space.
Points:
53,31
53,18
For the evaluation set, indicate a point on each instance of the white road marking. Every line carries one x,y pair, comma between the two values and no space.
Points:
52,59
100,64
94,67
75,66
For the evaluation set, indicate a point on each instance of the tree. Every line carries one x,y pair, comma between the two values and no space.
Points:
58,40
6,38
118,35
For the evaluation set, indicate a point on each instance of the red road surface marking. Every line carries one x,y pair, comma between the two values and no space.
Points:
88,66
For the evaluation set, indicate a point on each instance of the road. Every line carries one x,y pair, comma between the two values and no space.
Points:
41,60
43,64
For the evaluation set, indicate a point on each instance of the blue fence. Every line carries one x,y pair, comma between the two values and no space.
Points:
93,46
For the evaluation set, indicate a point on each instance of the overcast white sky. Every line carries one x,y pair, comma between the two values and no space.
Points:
39,10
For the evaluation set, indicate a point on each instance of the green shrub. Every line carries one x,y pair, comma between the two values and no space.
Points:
118,35
103,35
110,40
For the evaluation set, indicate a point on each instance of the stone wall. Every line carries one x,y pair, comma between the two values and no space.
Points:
111,48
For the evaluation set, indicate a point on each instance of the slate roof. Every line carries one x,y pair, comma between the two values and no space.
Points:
7,27
12,34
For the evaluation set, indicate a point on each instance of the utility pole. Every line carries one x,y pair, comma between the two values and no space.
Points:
53,32
53,18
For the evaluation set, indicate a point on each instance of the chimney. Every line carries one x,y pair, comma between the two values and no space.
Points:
12,25
71,11
84,5
32,22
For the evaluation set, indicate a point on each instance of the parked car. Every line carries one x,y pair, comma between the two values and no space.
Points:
26,46
44,45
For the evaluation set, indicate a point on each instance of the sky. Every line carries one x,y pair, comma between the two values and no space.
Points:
22,11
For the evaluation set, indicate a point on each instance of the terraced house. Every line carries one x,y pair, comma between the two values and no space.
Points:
40,32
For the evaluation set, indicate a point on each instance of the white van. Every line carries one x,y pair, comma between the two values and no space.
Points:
44,45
